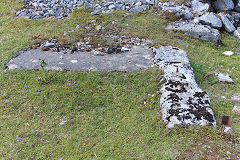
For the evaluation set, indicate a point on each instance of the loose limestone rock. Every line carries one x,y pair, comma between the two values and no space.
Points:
234,18
223,5
210,19
237,5
236,98
60,9
203,32
236,109
199,7
179,10
236,33
224,77
226,22
182,101
228,53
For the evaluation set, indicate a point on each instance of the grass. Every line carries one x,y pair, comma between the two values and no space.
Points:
101,115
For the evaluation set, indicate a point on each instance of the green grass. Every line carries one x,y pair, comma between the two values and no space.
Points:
105,113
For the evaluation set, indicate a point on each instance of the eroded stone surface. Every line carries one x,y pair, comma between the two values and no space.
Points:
138,58
182,101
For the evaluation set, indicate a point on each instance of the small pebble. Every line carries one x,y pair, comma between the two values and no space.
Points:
224,77
228,53
228,130
98,27
236,109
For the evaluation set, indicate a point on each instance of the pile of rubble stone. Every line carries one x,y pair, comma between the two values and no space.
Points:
60,9
206,20
122,44
201,20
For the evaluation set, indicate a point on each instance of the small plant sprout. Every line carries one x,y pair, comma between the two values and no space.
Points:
42,64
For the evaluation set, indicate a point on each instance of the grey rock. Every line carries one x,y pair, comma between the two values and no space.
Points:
234,18
88,5
228,130
203,32
210,19
137,9
98,27
236,98
236,109
62,8
226,23
180,41
179,10
124,49
228,53
188,15
149,2
230,18
223,5
136,59
18,13
112,6
66,33
48,44
182,101
237,5
236,33
12,66
199,7
95,12
224,77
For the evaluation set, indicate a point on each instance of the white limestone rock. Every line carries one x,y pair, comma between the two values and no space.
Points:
199,7
182,101
227,23
237,5
236,109
236,98
223,5
236,33
224,77
211,20
228,53
194,30
228,130
179,10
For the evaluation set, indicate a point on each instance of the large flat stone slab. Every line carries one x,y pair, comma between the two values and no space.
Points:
182,101
137,59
